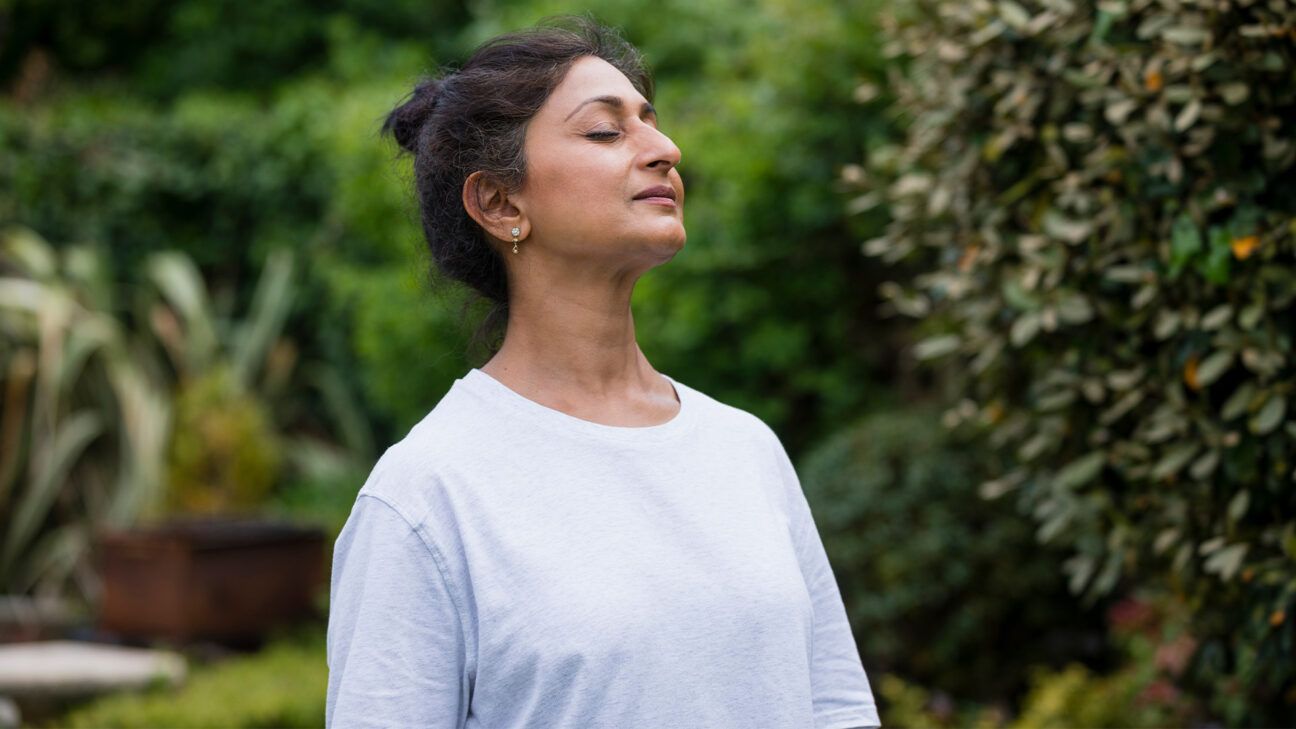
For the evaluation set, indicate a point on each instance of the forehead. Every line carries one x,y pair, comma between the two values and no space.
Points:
590,76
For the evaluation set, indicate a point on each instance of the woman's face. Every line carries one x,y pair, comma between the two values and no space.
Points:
590,150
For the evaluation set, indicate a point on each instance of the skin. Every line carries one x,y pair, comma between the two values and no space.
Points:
584,242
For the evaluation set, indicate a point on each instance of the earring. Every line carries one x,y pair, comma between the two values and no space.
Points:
515,232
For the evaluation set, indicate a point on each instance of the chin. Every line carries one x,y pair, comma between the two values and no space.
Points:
675,241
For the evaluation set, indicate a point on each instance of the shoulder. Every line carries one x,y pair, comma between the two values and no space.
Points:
411,471
717,417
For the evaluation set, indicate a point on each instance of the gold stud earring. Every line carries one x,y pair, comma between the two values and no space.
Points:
515,233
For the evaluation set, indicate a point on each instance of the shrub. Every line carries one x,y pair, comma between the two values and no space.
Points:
921,558
224,456
284,685
1093,203
1142,691
86,415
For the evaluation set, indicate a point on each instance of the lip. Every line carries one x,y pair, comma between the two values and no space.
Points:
658,194
657,201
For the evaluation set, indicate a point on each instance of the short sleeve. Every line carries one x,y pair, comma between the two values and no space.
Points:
840,689
396,651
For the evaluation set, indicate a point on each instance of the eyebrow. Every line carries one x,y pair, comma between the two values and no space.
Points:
615,102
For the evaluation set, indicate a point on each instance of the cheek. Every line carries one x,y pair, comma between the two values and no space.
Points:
585,189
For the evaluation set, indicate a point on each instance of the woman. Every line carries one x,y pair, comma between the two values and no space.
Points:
570,538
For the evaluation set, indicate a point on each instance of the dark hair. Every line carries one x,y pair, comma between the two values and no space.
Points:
475,118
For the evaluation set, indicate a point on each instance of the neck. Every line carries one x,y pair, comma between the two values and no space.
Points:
573,340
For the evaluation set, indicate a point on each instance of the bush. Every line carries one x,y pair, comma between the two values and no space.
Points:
921,558
284,685
1142,691
225,455
86,409
1094,208
226,179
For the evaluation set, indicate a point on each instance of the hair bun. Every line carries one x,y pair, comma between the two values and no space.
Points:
407,120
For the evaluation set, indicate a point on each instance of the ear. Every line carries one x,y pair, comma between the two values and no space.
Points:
490,205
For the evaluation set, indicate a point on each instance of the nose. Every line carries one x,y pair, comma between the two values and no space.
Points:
662,152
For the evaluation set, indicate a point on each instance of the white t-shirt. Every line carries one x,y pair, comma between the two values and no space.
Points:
507,565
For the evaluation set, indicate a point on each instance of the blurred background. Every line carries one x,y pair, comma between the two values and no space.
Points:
1013,281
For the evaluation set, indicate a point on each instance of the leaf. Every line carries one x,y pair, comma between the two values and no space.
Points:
1188,115
1014,14
29,253
1036,445
1186,35
1217,317
270,305
1185,242
1167,323
180,282
1227,561
1075,309
1210,546
1111,571
1238,505
1234,93
936,346
1024,329
1173,460
48,477
1071,231
1055,401
1122,406
1215,266
1238,402
1124,379
1213,366
1270,415
1080,568
1080,471
1205,465
1165,540
1250,316
1117,112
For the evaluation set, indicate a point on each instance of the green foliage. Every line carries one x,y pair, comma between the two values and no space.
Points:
84,418
226,178
224,456
1143,691
100,432
168,48
920,558
907,704
283,685
1094,204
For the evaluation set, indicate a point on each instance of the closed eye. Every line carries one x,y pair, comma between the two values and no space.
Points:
603,135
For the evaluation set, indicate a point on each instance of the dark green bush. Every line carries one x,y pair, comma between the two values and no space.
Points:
167,48
284,685
1094,207
942,586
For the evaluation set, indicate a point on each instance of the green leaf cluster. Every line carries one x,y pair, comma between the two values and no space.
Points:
283,685
920,559
1095,205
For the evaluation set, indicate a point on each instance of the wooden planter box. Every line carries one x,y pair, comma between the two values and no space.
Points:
225,579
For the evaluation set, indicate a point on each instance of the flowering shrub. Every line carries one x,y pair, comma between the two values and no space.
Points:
1095,209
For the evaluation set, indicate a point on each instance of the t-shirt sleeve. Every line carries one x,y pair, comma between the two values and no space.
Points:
840,689
395,640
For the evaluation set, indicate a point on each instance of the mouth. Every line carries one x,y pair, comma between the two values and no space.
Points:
659,194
